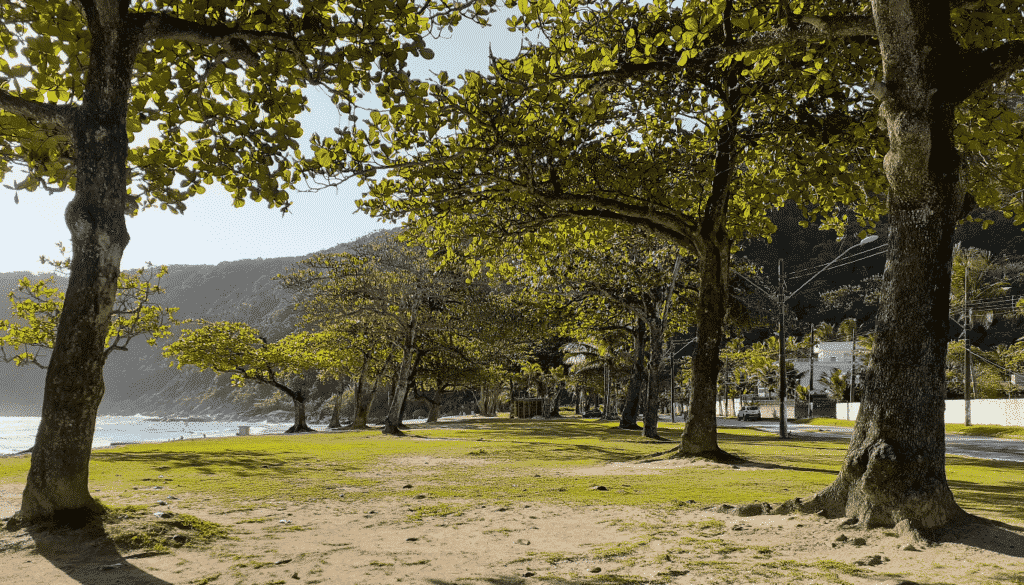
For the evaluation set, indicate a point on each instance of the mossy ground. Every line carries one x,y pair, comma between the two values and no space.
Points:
444,475
499,460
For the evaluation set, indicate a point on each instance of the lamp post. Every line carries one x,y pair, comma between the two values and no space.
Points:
673,350
781,298
968,316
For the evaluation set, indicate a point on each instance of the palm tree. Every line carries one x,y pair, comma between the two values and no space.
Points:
824,332
588,356
837,384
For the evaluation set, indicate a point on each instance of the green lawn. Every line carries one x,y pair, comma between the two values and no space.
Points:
501,461
973,430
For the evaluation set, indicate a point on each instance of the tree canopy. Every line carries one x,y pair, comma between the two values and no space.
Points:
36,306
218,84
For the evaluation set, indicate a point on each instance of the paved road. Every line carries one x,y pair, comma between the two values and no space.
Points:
968,446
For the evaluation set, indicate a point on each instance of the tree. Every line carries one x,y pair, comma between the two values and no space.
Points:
931,88
837,384
603,354
580,127
36,307
391,287
894,471
620,278
930,81
240,350
220,84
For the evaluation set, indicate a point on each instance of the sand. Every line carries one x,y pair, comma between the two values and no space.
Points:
343,541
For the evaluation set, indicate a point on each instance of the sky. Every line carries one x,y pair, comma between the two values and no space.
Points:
212,230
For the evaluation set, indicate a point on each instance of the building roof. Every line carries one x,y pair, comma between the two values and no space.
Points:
834,346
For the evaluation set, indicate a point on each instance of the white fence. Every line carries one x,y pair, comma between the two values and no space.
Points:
1009,413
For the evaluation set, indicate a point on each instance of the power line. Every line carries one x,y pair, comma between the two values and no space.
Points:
990,362
847,263
857,256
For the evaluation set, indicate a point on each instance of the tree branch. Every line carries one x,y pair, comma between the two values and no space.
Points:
812,28
59,114
233,41
983,69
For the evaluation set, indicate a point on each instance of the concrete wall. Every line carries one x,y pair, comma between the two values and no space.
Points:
1008,412
770,408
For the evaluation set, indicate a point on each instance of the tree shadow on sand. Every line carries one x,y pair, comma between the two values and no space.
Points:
991,535
485,580
85,554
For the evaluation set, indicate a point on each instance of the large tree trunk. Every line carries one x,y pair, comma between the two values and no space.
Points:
700,434
553,411
362,405
656,380
895,467
300,426
58,478
394,417
335,413
435,405
631,408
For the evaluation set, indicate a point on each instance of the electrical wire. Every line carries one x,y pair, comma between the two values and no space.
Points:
990,362
853,261
994,305
855,254
855,257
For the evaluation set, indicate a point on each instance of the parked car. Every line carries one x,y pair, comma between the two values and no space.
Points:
749,412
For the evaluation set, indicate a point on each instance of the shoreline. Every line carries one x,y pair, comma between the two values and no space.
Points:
370,426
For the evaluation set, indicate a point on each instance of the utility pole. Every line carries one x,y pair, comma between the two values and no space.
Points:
672,379
853,368
810,389
783,431
967,352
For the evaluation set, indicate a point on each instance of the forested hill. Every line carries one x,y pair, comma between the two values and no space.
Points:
139,380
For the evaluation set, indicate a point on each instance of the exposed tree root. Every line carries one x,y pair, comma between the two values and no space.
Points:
89,516
716,455
392,429
655,437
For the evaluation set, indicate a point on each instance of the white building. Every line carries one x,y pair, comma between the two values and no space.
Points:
828,356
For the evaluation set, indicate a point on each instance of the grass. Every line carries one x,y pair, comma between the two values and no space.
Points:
995,431
132,528
620,549
513,461
454,467
437,510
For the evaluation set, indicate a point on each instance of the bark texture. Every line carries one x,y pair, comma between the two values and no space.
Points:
57,485
394,417
700,435
895,468
631,407
656,380
335,413
363,405
299,426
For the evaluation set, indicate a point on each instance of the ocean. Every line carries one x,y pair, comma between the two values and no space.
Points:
17,433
